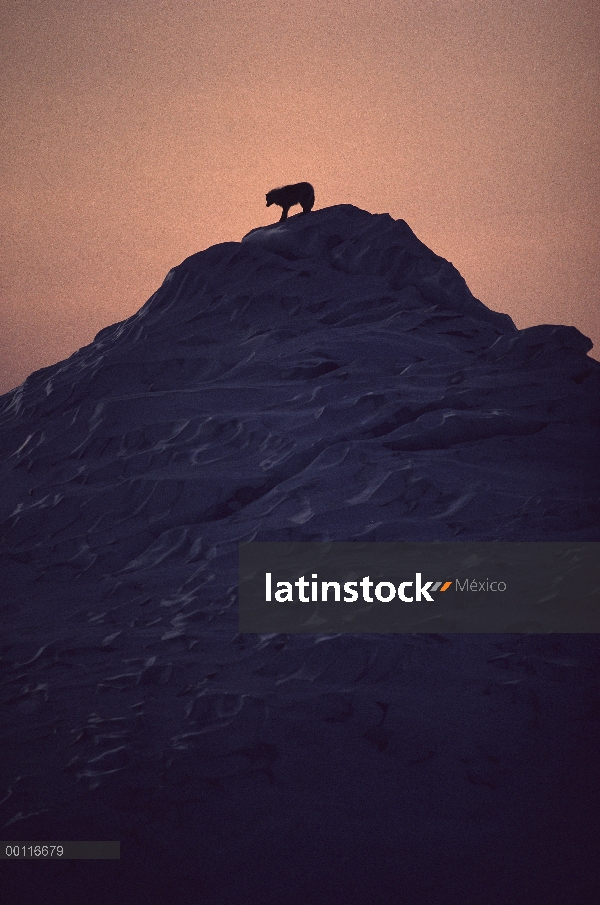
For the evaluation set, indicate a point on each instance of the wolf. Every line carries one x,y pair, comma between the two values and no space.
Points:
301,193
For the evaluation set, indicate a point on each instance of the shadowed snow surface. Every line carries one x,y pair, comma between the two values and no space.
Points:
329,378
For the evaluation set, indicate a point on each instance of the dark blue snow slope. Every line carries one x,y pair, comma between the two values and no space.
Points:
328,378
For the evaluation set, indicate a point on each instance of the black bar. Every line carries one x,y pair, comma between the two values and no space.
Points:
59,851
419,587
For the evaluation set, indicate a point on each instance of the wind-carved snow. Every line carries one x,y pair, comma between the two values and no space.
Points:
329,378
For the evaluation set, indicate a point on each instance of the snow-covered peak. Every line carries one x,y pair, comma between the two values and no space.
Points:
325,379
353,241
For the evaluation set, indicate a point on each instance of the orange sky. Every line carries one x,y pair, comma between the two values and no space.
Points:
137,132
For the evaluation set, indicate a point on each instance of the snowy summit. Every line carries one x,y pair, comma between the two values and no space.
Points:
329,378
326,378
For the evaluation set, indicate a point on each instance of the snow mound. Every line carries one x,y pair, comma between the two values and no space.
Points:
356,242
330,358
329,378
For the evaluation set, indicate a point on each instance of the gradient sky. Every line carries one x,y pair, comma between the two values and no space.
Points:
137,132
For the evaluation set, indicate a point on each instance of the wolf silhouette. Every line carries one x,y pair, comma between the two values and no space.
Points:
300,193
